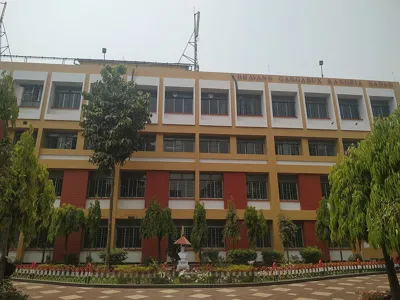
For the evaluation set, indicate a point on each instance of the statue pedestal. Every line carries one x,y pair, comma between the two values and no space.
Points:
182,263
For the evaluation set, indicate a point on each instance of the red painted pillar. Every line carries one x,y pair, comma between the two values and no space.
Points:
310,192
157,185
235,189
310,240
74,191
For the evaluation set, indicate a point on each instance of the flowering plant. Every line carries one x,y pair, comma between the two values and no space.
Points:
372,295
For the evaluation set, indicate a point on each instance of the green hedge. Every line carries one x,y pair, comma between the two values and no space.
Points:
117,256
269,256
354,256
311,255
242,256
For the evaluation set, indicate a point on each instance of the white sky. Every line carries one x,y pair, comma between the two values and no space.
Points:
355,38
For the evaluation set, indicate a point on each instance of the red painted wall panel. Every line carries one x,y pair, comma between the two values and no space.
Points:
311,240
74,192
157,185
243,243
310,192
150,248
235,189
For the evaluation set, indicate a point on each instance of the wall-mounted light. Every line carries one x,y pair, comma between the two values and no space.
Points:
175,94
210,95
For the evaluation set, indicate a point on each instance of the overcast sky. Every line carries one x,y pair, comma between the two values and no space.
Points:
355,38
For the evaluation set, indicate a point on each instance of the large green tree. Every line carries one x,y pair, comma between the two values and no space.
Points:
256,225
8,102
157,223
66,220
92,223
198,237
364,199
116,111
322,226
231,231
287,232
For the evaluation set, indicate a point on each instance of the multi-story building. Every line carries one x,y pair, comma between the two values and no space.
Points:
266,141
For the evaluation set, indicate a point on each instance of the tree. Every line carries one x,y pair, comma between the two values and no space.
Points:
8,102
112,119
157,223
287,232
364,199
256,225
92,223
198,236
231,230
66,220
322,229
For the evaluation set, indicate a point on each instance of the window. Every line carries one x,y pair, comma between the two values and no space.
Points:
380,109
67,97
214,103
285,147
214,145
319,148
256,187
178,144
288,187
181,185
133,185
215,237
152,98
31,95
344,245
211,186
57,178
99,186
18,134
100,239
148,143
128,237
266,240
349,109
297,241
283,106
40,241
317,107
60,140
249,105
348,144
250,146
325,187
179,102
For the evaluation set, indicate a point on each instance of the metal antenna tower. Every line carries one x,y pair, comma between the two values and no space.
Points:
193,42
3,33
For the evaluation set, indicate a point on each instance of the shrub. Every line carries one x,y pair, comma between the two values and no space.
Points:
310,255
89,258
172,252
354,256
72,259
117,256
48,258
269,256
210,256
242,256
149,262
373,295
7,291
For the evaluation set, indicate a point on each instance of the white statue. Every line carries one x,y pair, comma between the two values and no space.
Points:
182,263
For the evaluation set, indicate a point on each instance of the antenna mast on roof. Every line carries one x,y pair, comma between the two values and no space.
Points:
193,42
3,33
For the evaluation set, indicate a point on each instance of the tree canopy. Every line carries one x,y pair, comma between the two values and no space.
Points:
231,230
198,236
8,102
93,219
256,225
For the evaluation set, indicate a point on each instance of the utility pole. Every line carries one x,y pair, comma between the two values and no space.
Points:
3,33
194,38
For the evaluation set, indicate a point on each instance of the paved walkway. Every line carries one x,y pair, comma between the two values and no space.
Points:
345,288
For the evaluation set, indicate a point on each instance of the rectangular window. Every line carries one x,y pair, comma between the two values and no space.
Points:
347,144
257,187
349,109
344,245
40,241
67,97
99,186
325,187
60,140
18,133
317,107
380,109
152,99
214,145
283,106
100,240
266,240
214,103
288,187
148,143
181,185
128,237
250,146
211,186
31,95
133,185
298,240
249,105
215,237
57,178
178,144
286,147
179,102
320,148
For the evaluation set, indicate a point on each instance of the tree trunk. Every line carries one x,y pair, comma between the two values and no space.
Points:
287,253
159,249
5,131
341,253
326,251
4,250
360,249
233,244
200,256
66,247
391,273
110,213
44,251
